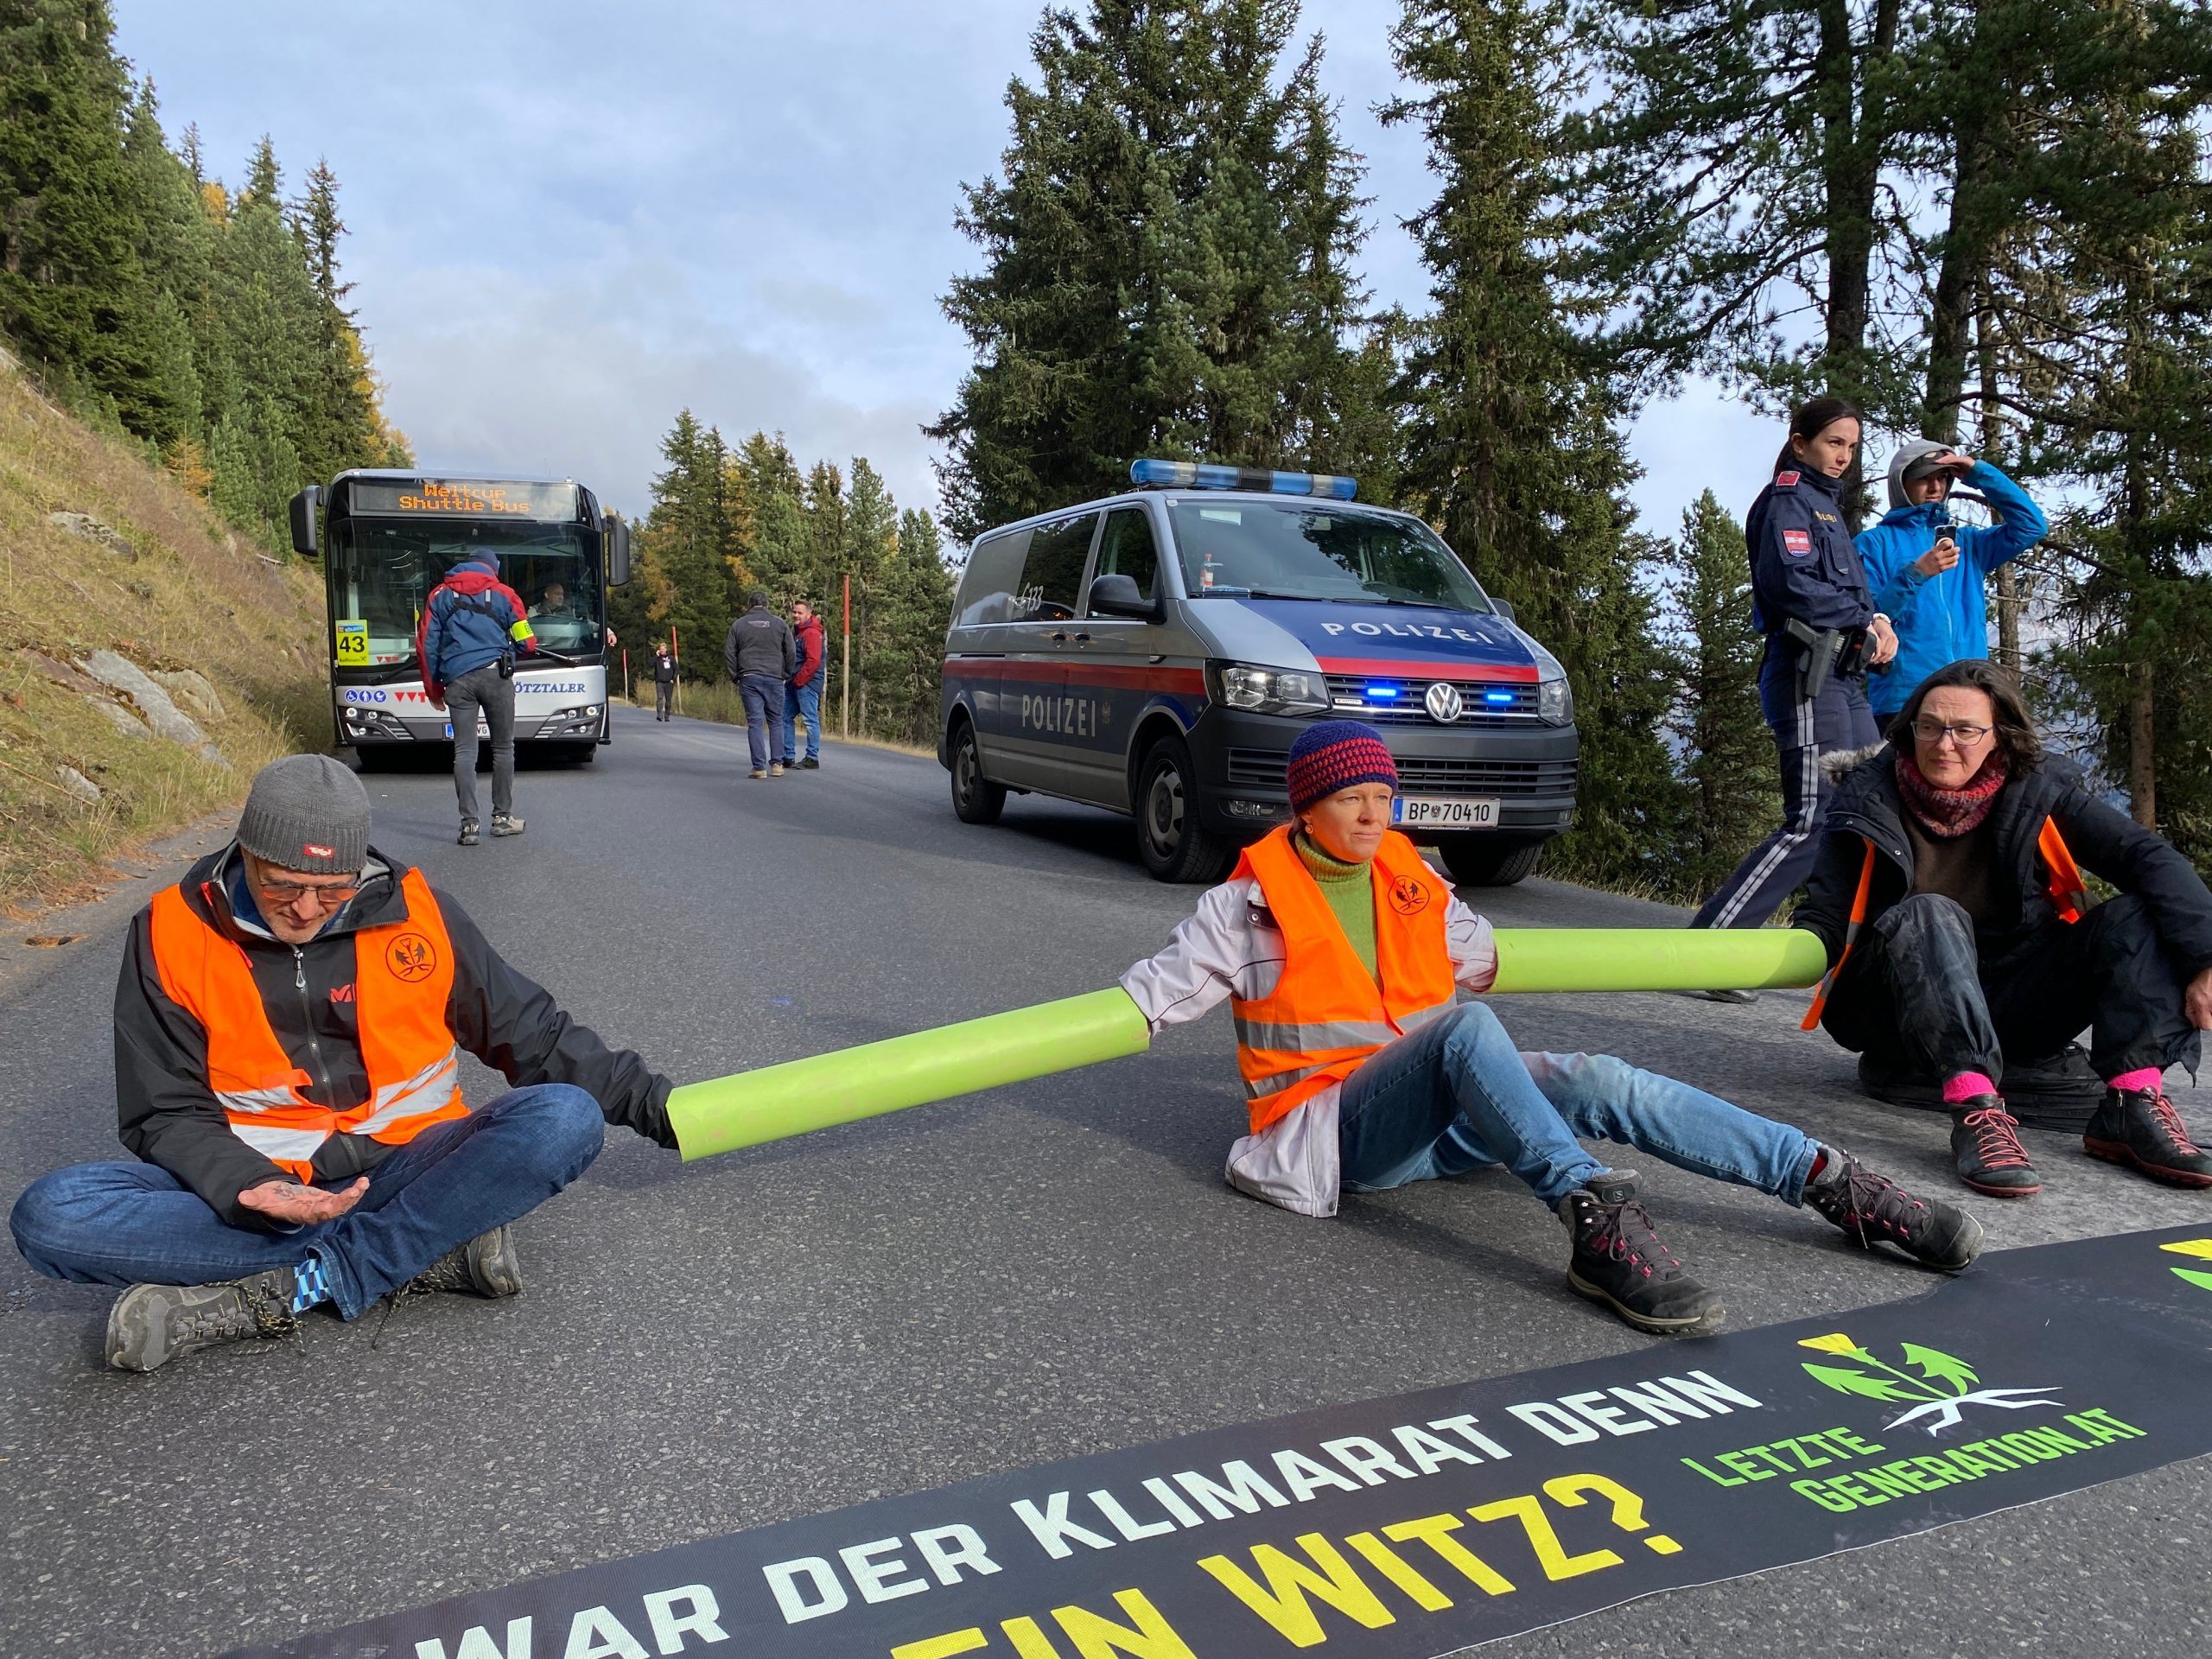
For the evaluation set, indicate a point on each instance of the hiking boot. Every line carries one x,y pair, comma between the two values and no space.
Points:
152,1324
1619,1260
775,771
810,764
2140,1129
506,823
758,772
486,1266
1986,1145
1874,1210
468,836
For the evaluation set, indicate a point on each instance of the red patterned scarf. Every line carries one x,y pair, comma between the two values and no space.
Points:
1948,814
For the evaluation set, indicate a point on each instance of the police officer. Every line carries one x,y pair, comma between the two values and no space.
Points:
1810,599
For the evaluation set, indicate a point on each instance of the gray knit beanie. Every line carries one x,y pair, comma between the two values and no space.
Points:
308,813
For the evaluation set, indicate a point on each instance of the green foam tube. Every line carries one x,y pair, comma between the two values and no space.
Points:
1657,958
777,1101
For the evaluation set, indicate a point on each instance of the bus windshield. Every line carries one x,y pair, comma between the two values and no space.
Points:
382,569
1294,550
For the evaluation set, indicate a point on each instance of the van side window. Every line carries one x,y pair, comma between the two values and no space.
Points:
1052,576
987,585
1127,550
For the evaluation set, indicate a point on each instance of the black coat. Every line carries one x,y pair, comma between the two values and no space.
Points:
1867,809
169,1117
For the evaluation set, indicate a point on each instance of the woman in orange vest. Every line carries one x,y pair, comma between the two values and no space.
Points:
1958,930
1343,953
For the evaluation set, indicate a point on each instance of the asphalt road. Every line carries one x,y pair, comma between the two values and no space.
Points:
1051,1269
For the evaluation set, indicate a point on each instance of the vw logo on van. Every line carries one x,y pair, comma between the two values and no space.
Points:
1443,702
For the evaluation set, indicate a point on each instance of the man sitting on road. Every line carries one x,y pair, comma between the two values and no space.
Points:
1958,928
287,1033
1342,952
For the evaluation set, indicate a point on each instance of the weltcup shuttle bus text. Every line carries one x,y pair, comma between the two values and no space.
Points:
388,538
1156,652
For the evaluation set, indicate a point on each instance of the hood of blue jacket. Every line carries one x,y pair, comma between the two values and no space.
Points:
1924,516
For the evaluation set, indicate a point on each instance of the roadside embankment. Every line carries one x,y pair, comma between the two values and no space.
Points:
151,658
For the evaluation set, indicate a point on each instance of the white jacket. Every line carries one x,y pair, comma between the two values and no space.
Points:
1230,946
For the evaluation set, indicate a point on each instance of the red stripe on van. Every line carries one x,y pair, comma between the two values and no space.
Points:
1184,681
1389,668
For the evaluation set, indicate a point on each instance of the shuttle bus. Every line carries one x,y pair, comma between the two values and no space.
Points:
388,538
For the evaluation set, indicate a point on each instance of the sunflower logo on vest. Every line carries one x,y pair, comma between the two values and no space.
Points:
411,957
1409,896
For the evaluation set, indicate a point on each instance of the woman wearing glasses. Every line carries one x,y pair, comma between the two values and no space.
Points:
1948,891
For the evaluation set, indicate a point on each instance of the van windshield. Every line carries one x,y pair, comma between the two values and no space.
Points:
1296,550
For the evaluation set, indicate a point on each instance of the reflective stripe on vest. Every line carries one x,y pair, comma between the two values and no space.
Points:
403,977
2062,886
1327,1014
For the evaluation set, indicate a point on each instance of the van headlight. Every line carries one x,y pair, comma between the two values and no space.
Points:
1267,691
1554,702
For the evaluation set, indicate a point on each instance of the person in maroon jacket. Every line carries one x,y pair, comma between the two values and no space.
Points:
805,695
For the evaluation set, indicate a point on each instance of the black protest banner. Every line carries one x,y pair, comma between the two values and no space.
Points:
1417,1525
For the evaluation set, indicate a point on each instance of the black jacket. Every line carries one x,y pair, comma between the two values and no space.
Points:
663,670
1866,808
169,1117
759,643
1803,563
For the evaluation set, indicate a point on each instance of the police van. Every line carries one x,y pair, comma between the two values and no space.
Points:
1155,653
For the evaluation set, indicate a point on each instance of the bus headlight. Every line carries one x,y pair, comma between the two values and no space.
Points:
1267,691
1554,702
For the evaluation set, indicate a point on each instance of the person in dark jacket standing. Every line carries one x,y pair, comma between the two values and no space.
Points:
471,626
760,658
664,681
1809,598
803,695
287,1030
1949,894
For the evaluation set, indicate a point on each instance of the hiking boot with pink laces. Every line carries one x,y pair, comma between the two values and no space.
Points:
2140,1129
1986,1145
1874,1210
1619,1262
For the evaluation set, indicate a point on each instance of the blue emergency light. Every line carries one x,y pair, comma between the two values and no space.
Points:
1383,693
1206,475
1498,696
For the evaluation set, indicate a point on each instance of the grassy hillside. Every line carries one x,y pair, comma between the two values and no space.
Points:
170,589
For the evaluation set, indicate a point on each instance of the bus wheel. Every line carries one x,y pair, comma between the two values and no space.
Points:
1478,862
580,754
1169,839
373,757
975,798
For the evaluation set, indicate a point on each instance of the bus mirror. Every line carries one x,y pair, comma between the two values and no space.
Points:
618,551
303,510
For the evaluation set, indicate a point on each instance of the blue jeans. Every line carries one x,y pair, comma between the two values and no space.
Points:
803,699
130,1224
764,718
1454,1095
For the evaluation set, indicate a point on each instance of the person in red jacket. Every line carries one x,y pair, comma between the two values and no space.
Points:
805,689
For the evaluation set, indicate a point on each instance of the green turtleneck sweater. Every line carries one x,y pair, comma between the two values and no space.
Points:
1350,889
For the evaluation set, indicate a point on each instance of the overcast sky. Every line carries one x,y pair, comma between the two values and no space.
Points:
569,220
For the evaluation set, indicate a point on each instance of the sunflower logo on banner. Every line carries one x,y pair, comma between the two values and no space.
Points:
1940,1383
2199,1248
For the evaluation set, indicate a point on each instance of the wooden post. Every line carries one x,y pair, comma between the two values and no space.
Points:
628,696
845,696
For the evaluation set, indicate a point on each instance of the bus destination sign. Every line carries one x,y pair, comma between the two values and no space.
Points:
462,498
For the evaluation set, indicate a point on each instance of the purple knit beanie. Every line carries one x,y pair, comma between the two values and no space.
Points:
1334,754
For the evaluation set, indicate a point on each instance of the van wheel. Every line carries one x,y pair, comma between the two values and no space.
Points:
1476,861
1173,846
975,798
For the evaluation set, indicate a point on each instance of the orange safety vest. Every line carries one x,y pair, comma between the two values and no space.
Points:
1327,1014
402,975
2063,886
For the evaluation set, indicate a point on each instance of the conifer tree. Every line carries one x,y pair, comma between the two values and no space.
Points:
1726,752
1511,449
911,602
1165,259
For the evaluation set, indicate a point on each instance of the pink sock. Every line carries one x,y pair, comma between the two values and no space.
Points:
1966,1086
2144,1078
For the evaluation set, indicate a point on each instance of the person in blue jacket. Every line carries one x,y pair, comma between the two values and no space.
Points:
471,628
1930,577
1805,572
